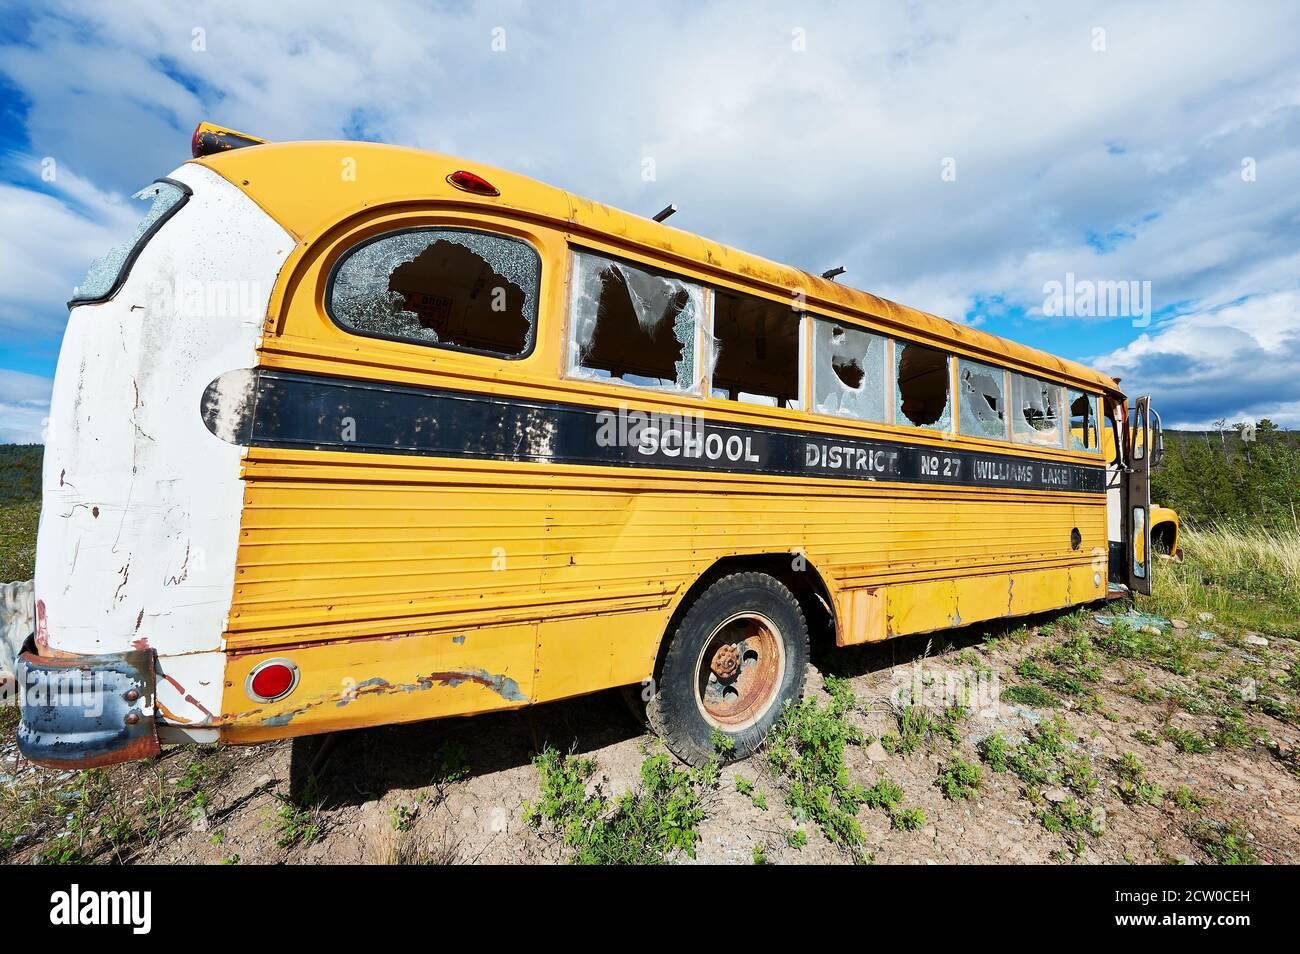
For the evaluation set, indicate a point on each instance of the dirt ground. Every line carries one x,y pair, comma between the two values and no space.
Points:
455,790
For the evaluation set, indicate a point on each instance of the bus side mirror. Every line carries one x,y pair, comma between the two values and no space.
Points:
1157,440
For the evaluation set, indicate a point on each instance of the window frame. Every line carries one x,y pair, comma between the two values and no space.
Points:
889,384
328,304
1006,398
802,359
703,327
899,419
124,270
1097,423
1062,413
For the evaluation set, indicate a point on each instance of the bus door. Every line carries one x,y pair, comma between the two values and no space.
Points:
1137,516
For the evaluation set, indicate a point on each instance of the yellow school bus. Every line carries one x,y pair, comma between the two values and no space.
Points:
350,434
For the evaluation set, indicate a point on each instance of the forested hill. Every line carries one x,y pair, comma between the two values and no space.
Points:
1216,477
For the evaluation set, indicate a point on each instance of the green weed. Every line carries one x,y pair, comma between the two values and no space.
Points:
806,747
959,779
907,819
644,826
1133,787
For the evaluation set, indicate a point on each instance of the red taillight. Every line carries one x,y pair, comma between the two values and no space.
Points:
272,680
469,182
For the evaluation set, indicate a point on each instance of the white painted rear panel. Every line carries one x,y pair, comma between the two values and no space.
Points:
141,503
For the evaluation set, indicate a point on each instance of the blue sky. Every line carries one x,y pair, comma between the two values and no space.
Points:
957,158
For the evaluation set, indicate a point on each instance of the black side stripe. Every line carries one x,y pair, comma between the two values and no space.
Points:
290,410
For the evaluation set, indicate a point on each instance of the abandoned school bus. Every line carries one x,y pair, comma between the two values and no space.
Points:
351,434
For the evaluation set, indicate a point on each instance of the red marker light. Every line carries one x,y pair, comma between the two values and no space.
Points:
469,182
271,680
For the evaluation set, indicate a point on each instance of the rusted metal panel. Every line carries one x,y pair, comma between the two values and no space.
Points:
352,683
86,711
867,614
861,616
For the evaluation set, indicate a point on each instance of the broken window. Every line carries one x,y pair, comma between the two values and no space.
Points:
633,325
755,350
1111,445
450,288
1035,411
849,372
1083,421
922,396
982,402
109,271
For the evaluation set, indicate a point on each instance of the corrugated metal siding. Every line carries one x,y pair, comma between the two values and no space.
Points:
334,548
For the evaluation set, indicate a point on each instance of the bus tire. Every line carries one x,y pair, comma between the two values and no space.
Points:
733,662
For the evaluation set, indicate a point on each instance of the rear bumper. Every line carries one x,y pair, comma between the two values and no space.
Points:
80,712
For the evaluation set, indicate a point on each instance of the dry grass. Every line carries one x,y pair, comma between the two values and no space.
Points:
1244,575
411,848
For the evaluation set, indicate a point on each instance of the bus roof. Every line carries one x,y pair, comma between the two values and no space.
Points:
310,187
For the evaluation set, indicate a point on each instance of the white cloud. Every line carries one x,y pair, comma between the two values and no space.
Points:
24,407
48,240
1237,362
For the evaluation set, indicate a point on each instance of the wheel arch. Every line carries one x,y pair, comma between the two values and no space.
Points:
1165,527
807,584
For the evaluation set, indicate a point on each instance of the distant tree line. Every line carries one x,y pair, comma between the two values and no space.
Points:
1238,474
20,472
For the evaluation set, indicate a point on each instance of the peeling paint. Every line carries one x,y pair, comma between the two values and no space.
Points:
361,688
42,627
187,697
501,684
181,575
125,571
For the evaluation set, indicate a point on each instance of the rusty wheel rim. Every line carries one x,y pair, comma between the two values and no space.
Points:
739,672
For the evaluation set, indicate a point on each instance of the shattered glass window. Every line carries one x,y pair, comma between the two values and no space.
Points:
104,271
982,400
1035,412
755,350
849,375
451,288
633,325
1084,420
922,395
